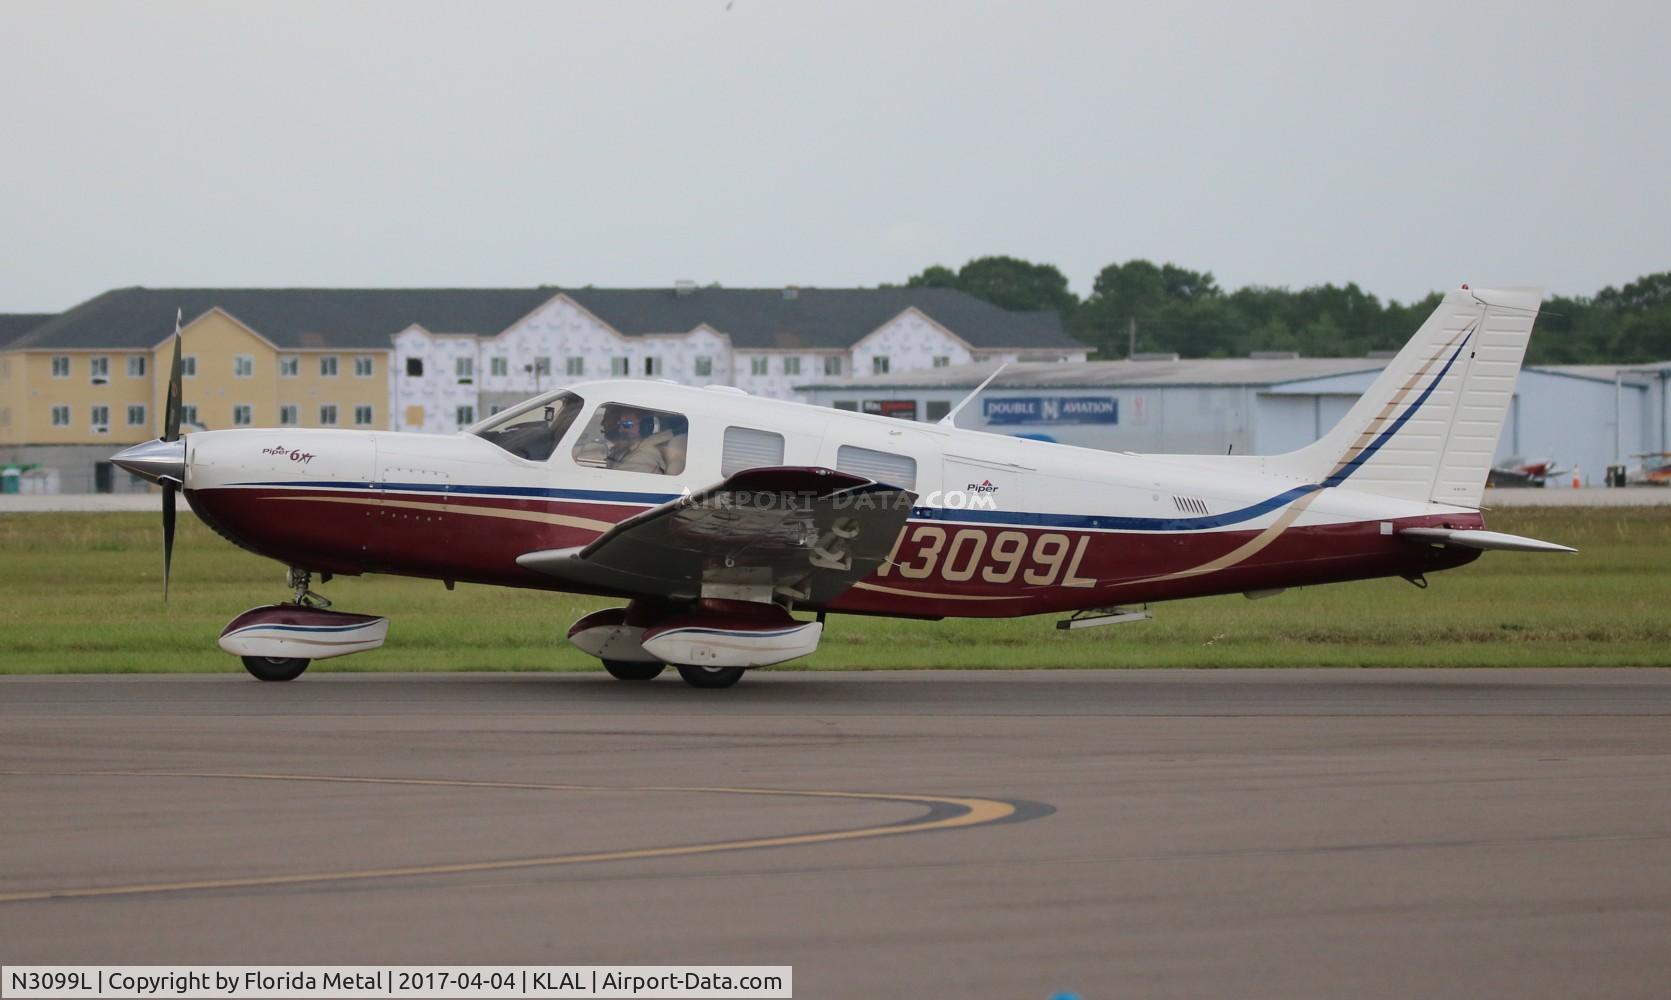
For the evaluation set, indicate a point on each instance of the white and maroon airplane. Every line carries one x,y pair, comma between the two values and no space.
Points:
718,518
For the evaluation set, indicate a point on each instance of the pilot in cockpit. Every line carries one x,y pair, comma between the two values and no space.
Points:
635,442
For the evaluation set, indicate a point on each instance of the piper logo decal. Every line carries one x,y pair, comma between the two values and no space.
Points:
296,454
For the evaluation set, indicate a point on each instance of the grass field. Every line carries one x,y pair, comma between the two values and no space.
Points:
83,593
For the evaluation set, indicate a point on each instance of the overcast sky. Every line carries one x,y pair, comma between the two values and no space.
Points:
759,143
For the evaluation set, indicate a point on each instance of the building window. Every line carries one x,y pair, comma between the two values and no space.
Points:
466,416
415,367
188,414
542,367
327,415
362,367
242,414
60,366
328,366
362,416
832,365
791,366
60,416
287,415
704,366
99,369
290,366
465,370
499,366
575,366
652,366
879,365
136,415
188,366
942,361
620,366
243,366
851,405
101,419
136,366
937,408
757,366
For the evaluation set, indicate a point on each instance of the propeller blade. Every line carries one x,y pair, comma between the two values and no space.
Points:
168,491
171,408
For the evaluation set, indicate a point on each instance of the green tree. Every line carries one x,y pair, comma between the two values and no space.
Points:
1012,283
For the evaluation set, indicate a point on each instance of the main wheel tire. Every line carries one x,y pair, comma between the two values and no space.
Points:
621,670
710,677
275,668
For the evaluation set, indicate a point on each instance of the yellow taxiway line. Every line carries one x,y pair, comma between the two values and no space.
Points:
975,812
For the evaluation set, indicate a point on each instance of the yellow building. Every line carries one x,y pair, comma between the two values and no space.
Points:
78,386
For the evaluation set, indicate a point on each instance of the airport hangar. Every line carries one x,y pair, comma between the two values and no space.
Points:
1589,416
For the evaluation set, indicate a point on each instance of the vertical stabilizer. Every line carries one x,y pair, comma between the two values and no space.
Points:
1427,429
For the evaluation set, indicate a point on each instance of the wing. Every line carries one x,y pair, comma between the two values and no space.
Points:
807,534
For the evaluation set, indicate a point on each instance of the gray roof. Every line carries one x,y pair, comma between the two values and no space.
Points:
1099,374
366,318
289,317
818,317
15,325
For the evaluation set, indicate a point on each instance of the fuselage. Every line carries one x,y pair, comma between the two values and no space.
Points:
1001,526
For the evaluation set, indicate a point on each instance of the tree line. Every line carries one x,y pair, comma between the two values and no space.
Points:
1173,308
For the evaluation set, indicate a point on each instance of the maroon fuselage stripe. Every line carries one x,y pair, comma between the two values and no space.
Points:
477,540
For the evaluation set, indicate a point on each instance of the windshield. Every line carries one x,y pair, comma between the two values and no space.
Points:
531,430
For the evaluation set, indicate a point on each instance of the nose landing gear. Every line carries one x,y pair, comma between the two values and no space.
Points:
278,642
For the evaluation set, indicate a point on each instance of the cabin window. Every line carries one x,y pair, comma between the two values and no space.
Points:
533,429
634,439
882,466
747,448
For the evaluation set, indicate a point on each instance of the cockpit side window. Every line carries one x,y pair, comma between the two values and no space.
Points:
634,439
533,429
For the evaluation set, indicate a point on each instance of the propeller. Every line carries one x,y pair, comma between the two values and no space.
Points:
171,432
163,460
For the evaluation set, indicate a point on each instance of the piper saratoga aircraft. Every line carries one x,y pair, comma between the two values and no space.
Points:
731,527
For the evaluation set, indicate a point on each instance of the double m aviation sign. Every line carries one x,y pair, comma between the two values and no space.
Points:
1052,410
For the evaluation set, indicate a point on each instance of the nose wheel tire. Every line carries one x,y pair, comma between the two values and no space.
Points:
710,677
621,670
275,668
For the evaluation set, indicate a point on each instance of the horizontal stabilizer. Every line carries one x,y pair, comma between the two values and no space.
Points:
1488,540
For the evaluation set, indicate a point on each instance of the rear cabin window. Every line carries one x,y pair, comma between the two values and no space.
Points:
633,439
747,448
882,466
533,429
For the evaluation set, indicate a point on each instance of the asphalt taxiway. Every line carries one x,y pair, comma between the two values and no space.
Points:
1152,833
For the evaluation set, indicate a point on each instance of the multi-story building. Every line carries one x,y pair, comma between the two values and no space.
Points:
78,386
764,341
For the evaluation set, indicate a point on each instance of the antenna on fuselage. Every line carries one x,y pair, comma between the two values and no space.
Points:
949,419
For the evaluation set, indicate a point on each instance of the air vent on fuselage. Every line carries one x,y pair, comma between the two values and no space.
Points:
1190,505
